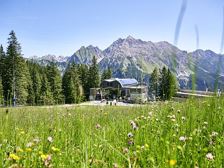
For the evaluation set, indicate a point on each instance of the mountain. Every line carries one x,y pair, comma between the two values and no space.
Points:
61,61
132,57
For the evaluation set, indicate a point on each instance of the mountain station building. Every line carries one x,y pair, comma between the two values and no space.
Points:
127,89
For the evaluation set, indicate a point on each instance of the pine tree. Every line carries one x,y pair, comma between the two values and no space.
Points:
163,84
2,56
107,74
71,85
83,77
154,82
15,78
55,81
171,85
46,97
93,74
1,92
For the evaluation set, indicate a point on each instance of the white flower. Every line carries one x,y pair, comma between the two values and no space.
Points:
183,138
130,135
209,156
214,134
150,114
98,126
206,123
135,127
30,144
183,118
50,139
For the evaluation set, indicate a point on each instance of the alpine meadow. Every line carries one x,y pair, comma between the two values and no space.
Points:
134,104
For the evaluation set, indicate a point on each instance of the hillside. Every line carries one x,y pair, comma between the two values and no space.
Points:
132,57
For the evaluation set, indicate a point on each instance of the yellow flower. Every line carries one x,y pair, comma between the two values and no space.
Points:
172,162
146,146
14,157
22,132
43,157
40,153
28,149
55,149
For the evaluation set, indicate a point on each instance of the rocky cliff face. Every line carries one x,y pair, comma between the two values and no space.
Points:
132,57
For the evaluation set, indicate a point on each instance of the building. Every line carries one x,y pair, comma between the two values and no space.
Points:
122,89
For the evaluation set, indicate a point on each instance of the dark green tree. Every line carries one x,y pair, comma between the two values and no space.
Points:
83,77
154,82
163,84
107,74
71,85
171,85
46,96
93,75
55,81
16,75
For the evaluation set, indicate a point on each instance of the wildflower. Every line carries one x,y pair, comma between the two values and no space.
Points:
130,142
115,165
30,144
98,126
172,162
178,111
214,134
135,127
22,132
40,153
150,114
130,135
146,146
206,123
183,138
14,156
36,140
50,139
44,157
183,118
55,149
125,150
209,156
28,149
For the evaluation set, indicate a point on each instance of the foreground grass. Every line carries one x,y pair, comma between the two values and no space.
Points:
188,134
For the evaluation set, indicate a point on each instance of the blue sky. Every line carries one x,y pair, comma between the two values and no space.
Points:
61,27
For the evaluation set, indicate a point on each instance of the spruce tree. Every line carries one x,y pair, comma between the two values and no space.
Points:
154,82
71,85
83,77
171,85
2,56
46,96
15,78
55,81
107,74
163,84
1,92
93,78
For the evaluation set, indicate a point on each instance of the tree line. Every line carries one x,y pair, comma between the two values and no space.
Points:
163,84
25,82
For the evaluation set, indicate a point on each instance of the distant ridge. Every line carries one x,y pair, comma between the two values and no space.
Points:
130,57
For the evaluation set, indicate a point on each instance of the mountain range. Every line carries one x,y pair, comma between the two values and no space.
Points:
135,58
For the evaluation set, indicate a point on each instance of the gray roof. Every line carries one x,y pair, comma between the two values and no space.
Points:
124,82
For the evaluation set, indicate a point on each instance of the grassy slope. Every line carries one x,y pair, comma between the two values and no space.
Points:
79,143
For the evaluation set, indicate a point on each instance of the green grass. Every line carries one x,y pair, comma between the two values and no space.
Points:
88,136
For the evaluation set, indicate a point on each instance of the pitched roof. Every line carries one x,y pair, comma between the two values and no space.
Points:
124,82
